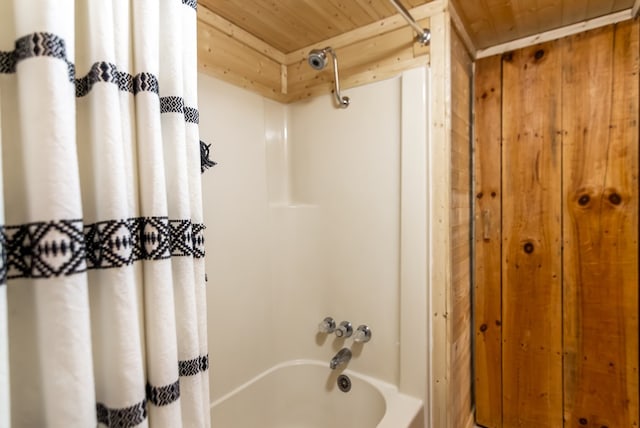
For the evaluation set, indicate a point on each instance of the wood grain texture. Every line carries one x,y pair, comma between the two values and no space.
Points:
600,121
360,62
440,411
288,25
570,158
531,227
460,220
228,59
492,22
229,53
487,190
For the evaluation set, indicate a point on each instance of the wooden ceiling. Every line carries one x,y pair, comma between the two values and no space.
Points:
288,25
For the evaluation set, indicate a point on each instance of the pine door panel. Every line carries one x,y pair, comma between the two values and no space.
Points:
556,283
531,235
600,179
487,235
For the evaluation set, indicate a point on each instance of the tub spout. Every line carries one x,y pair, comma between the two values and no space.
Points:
342,358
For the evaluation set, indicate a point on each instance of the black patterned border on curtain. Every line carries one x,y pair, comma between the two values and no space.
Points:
191,115
66,247
191,3
194,366
181,238
157,395
43,249
107,72
34,45
163,395
198,240
175,104
122,418
51,45
47,44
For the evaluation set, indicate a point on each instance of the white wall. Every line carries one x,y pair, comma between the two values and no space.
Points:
303,221
347,163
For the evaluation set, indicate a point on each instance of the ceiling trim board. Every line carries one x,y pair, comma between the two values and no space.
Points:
635,9
284,79
558,33
377,28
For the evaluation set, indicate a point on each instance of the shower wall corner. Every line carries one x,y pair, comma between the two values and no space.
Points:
283,230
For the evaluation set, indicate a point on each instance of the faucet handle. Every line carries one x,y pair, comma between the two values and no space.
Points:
327,326
344,329
363,334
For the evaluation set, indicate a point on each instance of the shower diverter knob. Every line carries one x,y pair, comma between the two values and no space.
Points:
327,326
344,329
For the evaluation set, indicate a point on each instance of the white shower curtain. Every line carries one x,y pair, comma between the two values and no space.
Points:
102,302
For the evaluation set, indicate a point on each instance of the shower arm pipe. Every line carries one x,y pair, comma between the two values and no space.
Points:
424,35
343,102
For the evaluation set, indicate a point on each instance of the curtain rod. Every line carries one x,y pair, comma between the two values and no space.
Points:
424,35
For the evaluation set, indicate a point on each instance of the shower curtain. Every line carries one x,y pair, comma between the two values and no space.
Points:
102,302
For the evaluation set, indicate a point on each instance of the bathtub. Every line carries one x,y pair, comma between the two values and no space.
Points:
304,394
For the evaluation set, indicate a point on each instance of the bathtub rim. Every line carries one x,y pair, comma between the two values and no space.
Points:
399,406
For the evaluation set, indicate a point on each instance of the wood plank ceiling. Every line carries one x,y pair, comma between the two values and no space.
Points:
288,25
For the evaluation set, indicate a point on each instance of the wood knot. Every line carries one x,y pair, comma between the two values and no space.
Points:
583,200
483,328
583,421
508,56
528,248
615,199
539,54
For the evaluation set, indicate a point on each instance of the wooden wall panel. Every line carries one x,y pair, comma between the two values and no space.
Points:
570,165
438,413
360,62
228,59
531,227
487,298
600,120
460,316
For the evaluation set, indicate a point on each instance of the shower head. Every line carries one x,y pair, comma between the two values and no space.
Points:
317,59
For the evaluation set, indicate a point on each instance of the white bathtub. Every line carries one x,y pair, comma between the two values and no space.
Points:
304,394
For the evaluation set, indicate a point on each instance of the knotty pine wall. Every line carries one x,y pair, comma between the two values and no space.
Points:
556,241
487,304
460,317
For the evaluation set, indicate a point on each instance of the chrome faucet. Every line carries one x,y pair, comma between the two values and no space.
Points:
342,358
